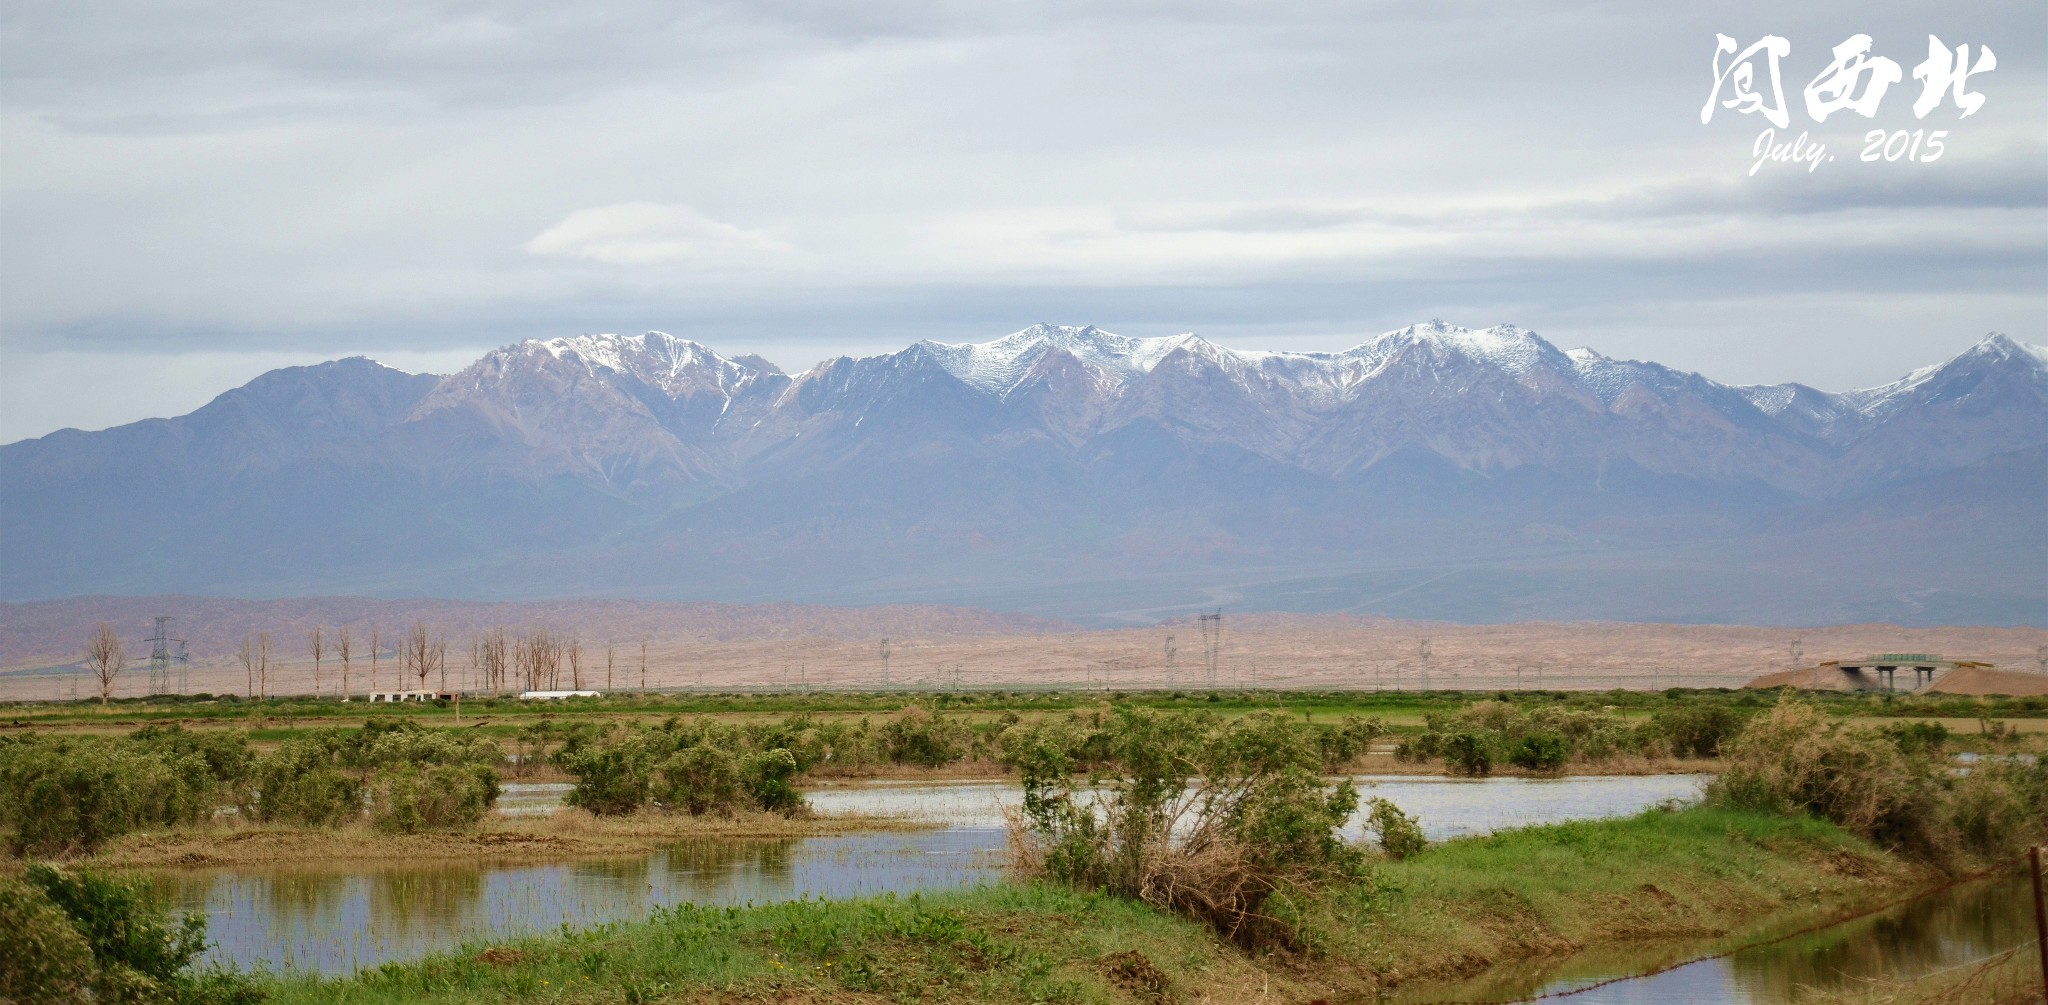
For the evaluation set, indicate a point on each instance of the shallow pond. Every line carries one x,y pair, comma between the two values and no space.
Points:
1446,807
339,918
1948,929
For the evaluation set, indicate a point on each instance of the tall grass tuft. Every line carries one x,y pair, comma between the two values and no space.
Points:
1228,823
1892,786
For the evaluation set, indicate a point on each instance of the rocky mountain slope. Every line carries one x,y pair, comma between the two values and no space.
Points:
1075,472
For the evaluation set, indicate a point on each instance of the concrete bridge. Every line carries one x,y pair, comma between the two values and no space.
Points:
1880,672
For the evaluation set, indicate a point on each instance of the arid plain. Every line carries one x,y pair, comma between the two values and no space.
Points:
729,647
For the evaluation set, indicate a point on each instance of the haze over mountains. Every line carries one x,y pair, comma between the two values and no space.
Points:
1432,472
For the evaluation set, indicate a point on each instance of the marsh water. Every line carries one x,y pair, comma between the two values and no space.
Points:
339,919
342,917
1953,928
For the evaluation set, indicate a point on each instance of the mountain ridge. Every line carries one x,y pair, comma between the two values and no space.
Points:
596,462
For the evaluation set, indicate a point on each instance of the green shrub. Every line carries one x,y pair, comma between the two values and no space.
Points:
702,779
138,954
1398,833
613,776
1917,737
405,800
798,734
767,778
916,736
226,753
1226,823
1541,752
1467,752
300,783
74,794
1999,806
1068,739
1471,739
416,746
1349,741
46,961
848,747
1697,727
1793,759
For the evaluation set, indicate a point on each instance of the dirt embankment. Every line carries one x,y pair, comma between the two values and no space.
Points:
1969,680
557,837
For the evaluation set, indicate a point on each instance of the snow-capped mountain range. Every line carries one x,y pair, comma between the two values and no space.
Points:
652,464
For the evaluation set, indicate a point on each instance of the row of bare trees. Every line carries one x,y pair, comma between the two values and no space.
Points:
536,660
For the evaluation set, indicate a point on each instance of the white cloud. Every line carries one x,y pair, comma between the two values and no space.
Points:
802,179
648,233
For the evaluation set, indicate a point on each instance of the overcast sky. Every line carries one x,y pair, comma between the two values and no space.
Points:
193,193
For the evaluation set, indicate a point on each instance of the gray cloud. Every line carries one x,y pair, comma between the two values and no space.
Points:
253,183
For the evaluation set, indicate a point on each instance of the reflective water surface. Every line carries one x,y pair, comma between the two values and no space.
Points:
1951,928
341,917
1446,807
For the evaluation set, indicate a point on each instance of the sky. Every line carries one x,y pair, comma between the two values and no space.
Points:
194,193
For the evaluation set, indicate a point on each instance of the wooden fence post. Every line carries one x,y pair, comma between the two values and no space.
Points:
2040,917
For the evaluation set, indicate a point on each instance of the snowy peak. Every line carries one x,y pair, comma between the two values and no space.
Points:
1998,349
1511,349
1995,355
1000,365
676,367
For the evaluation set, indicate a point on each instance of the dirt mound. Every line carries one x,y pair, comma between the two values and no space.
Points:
1813,678
1970,680
1989,680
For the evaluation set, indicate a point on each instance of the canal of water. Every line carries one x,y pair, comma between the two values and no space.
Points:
338,918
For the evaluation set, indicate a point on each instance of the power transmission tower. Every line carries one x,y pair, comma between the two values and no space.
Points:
1425,664
1212,643
885,661
163,652
1169,662
1797,650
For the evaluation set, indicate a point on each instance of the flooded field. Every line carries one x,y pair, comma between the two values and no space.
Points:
1446,807
339,919
1950,929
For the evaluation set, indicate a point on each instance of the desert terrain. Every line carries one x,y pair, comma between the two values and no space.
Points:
733,647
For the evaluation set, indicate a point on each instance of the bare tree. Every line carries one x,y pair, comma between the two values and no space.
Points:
263,652
643,664
608,654
247,657
318,644
441,663
341,649
538,657
418,655
376,644
524,662
105,657
547,660
494,660
574,648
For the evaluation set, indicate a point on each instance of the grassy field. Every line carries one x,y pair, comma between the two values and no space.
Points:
280,717
1353,925
1695,874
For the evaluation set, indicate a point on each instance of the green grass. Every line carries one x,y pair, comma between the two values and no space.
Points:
1395,706
1694,873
